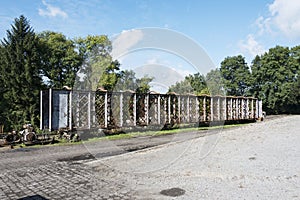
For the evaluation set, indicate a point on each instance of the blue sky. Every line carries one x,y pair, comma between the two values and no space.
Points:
221,28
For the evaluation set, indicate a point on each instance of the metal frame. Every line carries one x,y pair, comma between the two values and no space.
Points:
103,109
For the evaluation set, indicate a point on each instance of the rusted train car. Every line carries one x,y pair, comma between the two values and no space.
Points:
109,110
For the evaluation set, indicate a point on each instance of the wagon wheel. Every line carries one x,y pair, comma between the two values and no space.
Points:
9,138
31,137
12,138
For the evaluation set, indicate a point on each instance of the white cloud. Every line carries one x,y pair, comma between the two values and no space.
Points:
251,46
183,72
263,25
123,43
284,15
179,68
52,11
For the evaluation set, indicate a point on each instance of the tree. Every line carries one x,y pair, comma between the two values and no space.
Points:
95,51
20,69
60,59
3,106
214,82
197,82
110,78
143,84
182,87
236,74
128,81
275,79
256,78
293,100
191,84
100,70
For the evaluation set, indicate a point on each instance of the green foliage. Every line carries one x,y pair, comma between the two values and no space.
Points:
94,45
30,62
95,50
128,81
60,59
236,75
20,69
99,70
110,76
3,103
143,84
214,82
182,87
275,79
197,82
193,84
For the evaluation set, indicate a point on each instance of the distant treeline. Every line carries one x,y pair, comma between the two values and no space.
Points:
272,77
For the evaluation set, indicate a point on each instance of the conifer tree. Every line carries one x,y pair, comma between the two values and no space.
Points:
20,69
2,89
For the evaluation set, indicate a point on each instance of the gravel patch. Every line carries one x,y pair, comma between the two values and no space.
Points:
256,161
